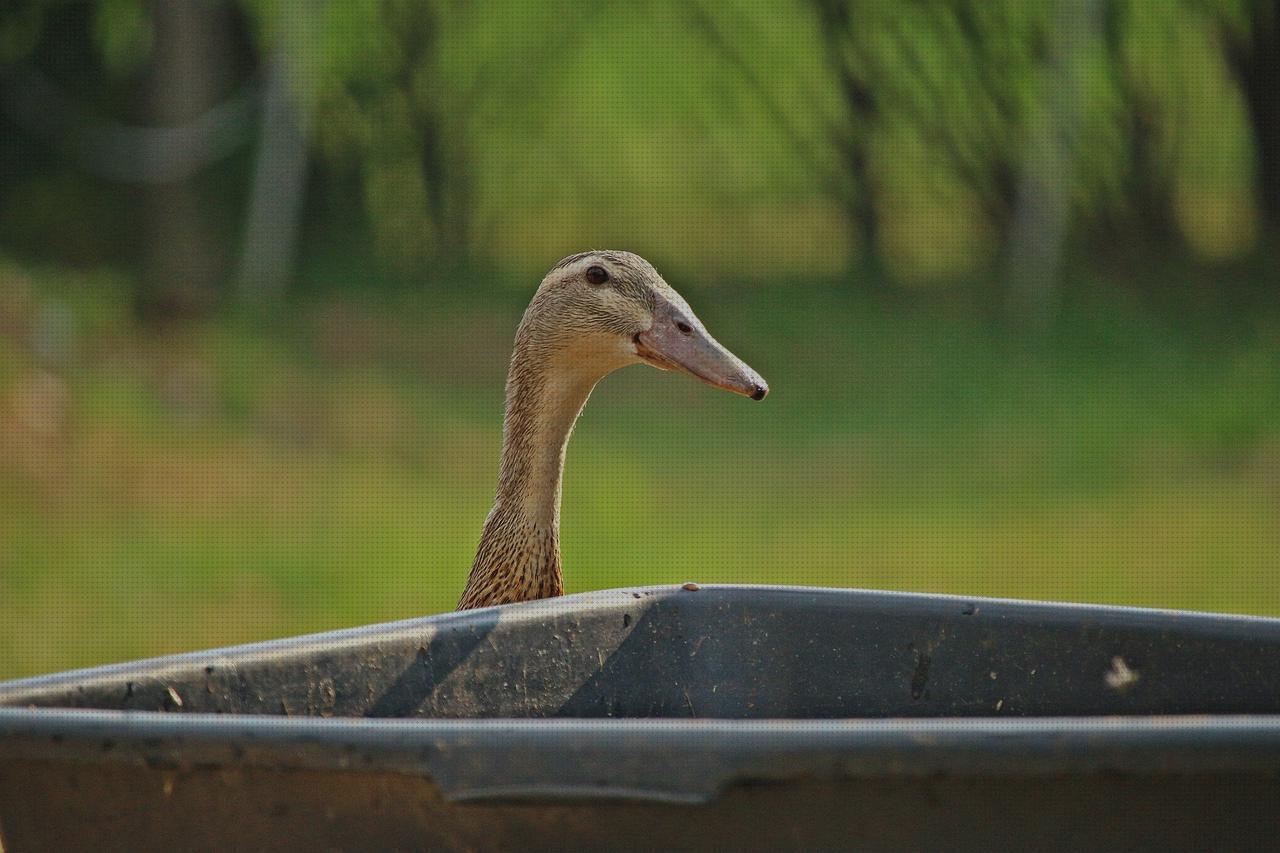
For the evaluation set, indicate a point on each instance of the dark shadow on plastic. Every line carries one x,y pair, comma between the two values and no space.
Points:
432,664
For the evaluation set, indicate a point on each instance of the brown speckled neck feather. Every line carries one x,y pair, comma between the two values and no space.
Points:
518,558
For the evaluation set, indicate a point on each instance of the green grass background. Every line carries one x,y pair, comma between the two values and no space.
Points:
253,477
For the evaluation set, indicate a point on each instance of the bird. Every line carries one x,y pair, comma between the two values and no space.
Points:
593,313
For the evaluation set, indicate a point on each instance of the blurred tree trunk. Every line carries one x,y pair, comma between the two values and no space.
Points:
847,183
1041,213
279,186
442,155
1255,57
181,267
837,23
1144,218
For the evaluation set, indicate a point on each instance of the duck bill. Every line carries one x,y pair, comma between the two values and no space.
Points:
678,341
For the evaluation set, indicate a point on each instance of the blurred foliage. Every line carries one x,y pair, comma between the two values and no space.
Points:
734,139
123,34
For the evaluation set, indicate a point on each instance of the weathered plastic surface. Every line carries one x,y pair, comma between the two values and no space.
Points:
727,716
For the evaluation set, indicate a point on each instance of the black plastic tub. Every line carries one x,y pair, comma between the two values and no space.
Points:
667,718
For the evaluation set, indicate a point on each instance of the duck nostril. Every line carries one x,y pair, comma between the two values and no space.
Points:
684,327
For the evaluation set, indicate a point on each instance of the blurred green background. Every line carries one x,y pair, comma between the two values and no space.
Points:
1009,266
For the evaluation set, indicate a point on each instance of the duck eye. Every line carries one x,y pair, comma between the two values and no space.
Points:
597,275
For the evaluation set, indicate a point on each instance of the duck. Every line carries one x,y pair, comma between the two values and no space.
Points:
594,312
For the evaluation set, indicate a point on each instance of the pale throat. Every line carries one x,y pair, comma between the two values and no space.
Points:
544,400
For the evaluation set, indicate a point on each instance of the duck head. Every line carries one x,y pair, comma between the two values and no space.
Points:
598,311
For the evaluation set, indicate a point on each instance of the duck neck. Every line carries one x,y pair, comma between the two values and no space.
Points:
518,558
543,405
